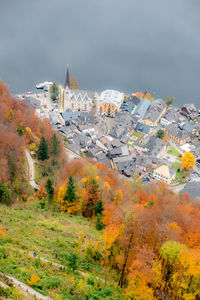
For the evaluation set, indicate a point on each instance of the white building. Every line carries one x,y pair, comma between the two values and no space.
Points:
164,173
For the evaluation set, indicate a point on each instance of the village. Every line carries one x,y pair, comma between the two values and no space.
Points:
135,135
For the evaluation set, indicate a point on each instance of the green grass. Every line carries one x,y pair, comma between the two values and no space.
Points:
175,165
137,134
54,236
38,173
173,151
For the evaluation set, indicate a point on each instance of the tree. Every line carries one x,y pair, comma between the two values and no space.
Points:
169,100
70,195
188,161
54,91
20,130
160,133
92,198
43,149
55,145
73,83
4,193
49,189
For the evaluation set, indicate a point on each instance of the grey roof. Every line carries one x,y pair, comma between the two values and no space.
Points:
74,148
66,130
81,94
154,144
143,128
32,101
142,107
54,118
176,131
135,100
155,110
127,106
78,116
170,115
193,188
118,131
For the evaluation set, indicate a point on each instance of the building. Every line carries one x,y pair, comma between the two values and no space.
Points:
169,117
142,108
177,134
164,173
189,111
155,112
154,146
110,102
143,128
76,100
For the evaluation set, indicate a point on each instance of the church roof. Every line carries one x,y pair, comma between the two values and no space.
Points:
67,79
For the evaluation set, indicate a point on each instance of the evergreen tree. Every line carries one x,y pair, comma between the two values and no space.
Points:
20,130
70,195
99,208
49,189
55,145
43,149
12,166
4,193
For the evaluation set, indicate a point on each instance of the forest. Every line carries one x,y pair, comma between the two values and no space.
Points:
147,235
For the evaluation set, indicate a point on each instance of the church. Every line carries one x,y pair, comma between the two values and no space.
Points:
76,100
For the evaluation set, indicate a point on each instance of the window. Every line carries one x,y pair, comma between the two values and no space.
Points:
72,105
85,106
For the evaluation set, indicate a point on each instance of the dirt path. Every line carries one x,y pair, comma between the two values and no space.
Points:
31,170
25,288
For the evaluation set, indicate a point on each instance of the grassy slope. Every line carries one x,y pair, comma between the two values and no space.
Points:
53,237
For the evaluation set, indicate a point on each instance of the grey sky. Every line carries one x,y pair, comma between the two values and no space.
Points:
129,45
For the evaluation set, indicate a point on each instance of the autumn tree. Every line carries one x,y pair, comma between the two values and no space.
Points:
188,161
169,100
73,83
43,149
92,198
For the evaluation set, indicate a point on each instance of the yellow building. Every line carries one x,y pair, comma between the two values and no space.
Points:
110,102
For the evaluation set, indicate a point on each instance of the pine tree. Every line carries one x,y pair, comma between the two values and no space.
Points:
55,145
99,208
70,195
49,190
20,130
43,149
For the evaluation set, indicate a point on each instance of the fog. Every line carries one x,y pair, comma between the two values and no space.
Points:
129,45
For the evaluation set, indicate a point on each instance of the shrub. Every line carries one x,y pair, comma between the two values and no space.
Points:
73,261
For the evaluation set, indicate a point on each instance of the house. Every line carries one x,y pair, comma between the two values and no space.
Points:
33,101
128,167
169,117
164,173
155,112
143,128
135,100
142,108
180,136
154,146
120,151
54,118
128,106
193,189
110,102
189,111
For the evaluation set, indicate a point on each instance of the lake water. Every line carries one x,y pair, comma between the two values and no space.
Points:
129,45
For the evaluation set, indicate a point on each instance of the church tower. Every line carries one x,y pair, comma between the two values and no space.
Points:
67,79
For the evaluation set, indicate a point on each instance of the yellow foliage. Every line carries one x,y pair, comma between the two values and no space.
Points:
33,147
33,280
188,161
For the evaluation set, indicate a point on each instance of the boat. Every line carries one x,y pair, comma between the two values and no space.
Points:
43,84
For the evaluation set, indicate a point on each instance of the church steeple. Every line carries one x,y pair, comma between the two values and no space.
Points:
67,79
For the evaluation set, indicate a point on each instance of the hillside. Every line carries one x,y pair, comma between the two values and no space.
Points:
58,238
